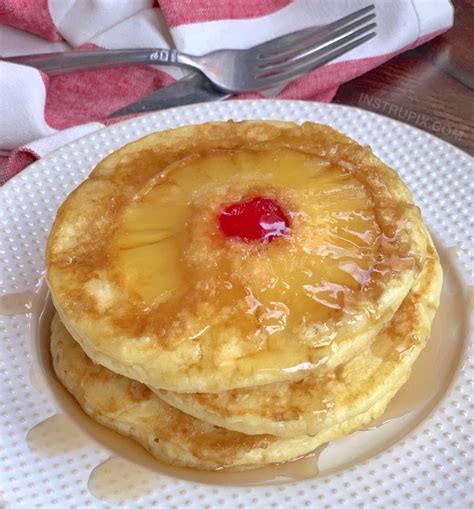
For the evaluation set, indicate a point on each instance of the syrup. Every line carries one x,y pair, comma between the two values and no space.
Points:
470,297
37,380
255,219
17,303
299,469
117,480
432,371
128,455
418,397
55,436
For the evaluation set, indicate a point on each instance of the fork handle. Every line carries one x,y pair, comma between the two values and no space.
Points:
70,61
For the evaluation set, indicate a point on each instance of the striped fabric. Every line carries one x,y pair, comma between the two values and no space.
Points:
40,113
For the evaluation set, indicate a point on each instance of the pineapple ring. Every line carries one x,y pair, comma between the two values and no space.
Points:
145,280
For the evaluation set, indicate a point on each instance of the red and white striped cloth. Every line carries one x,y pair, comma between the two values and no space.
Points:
40,113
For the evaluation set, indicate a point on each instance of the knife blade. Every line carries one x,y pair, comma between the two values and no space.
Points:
192,89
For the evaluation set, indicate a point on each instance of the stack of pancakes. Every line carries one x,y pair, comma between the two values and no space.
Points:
223,352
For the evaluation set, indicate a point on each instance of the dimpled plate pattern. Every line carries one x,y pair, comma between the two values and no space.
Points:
431,467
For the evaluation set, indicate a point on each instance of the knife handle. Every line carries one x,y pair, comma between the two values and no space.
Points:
71,61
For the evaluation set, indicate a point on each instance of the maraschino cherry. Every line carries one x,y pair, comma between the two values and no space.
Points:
258,218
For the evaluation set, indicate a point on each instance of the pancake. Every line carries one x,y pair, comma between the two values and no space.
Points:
146,279
171,436
307,407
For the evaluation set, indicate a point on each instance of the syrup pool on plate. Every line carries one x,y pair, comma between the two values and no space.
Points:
410,407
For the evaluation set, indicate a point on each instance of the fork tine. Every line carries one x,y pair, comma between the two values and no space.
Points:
285,78
309,44
288,41
308,57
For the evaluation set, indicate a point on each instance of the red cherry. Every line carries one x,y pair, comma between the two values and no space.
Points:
255,219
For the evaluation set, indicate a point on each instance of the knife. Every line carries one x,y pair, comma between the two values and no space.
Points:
192,89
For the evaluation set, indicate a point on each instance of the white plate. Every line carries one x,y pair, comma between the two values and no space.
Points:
47,462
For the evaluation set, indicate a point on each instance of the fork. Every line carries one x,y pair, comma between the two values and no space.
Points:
267,65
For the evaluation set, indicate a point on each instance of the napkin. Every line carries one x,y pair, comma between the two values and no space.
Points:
39,113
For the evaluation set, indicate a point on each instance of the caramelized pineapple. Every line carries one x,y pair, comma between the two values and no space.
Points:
172,245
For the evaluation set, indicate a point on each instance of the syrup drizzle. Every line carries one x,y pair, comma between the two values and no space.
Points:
453,253
118,480
295,470
55,436
470,298
17,303
426,380
36,380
